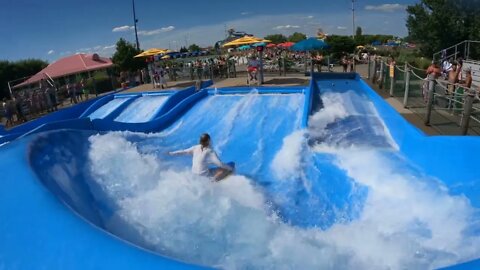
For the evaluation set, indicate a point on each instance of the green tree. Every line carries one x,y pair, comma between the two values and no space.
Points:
183,49
276,38
340,44
296,37
123,58
358,32
10,71
437,24
194,48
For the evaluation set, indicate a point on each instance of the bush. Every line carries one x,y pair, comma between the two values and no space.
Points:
103,84
422,62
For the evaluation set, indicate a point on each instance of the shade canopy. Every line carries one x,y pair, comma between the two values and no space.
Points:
151,52
246,40
310,44
244,47
271,45
259,44
70,65
287,44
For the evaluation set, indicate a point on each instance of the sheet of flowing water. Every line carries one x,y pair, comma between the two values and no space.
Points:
323,198
106,109
142,109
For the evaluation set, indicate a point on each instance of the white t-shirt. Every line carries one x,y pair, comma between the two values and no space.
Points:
202,158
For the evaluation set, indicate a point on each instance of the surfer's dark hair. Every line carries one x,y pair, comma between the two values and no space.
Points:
204,140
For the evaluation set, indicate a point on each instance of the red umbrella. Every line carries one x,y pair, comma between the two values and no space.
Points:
287,44
271,45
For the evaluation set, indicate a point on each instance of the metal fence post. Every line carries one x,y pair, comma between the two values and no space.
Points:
369,63
261,67
374,75
328,63
467,111
392,78
407,85
210,67
280,65
380,78
431,92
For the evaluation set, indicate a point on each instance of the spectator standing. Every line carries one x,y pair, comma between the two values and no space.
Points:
452,80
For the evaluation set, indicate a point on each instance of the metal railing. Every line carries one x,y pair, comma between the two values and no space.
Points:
462,49
432,99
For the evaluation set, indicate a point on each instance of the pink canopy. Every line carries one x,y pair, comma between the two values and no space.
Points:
70,65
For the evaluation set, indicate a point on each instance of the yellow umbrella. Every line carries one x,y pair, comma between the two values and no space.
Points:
165,57
151,52
245,41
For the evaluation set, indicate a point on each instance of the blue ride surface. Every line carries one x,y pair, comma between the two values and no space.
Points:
328,176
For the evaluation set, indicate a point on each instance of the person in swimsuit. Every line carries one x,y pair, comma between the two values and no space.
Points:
203,155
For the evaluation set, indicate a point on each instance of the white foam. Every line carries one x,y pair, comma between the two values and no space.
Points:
333,109
406,223
339,106
287,161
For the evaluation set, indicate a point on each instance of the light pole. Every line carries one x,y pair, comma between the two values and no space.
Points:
135,24
353,18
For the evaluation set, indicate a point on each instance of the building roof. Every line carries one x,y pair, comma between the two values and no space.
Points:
69,65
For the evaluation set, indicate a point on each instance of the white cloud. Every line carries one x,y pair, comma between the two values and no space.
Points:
50,52
288,26
122,28
310,17
341,28
386,7
262,25
98,47
108,47
156,31
245,13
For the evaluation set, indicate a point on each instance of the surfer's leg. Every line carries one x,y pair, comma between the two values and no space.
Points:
220,173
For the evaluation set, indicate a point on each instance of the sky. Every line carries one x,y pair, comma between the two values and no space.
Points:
52,29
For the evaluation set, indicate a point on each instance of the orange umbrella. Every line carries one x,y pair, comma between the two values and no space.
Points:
271,45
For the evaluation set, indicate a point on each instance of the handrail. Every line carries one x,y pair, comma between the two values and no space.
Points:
401,70
457,101
456,85
416,75
453,46
412,67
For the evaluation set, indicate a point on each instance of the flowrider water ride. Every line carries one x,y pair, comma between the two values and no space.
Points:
328,176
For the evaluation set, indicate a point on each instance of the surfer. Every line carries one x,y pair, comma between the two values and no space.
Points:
203,155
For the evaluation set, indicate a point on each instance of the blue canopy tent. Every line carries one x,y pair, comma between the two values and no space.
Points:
244,47
260,44
307,45
310,44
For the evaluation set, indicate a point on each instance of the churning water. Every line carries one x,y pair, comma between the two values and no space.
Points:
336,196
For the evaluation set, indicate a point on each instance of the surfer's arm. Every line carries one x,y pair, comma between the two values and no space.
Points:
215,160
188,151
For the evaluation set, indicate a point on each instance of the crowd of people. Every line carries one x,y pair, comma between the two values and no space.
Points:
459,78
47,97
